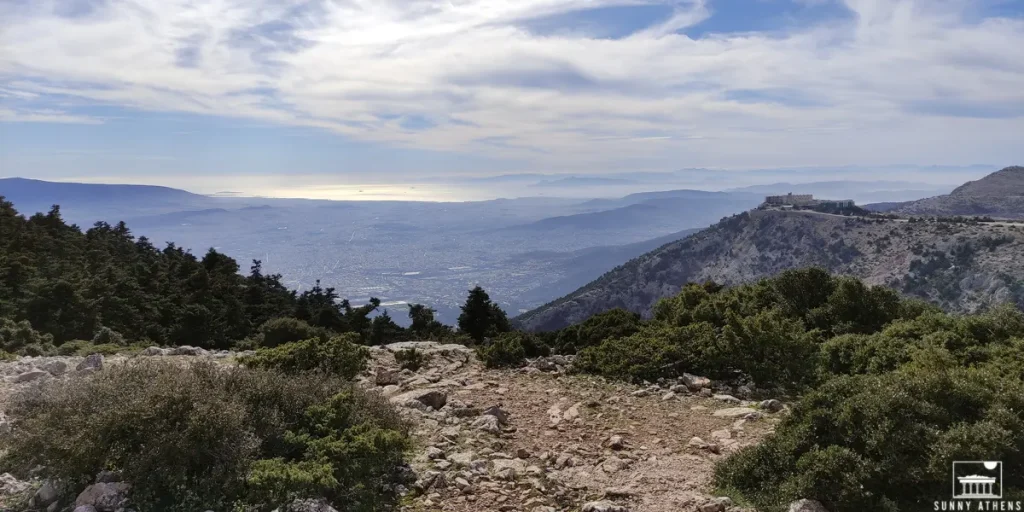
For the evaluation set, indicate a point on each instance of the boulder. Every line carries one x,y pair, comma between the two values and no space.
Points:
55,368
602,506
85,508
108,477
427,398
807,506
10,485
104,496
697,443
45,495
92,362
727,398
694,382
31,376
771,405
716,505
186,350
153,351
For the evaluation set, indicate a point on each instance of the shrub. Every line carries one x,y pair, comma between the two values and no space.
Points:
339,356
505,351
203,437
20,338
411,359
616,323
886,442
278,331
107,336
642,356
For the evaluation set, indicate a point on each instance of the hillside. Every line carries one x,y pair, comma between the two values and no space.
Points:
961,267
1000,195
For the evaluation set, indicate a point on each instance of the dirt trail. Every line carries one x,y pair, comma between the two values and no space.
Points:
567,440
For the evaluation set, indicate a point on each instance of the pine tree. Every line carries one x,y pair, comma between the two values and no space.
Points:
480,317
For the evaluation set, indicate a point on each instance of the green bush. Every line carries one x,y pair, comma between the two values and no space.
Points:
278,331
411,359
203,437
505,351
339,356
20,338
886,442
107,336
642,356
616,323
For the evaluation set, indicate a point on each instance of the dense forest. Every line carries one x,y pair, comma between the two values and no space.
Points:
104,285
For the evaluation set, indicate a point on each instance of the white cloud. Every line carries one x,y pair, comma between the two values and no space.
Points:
923,80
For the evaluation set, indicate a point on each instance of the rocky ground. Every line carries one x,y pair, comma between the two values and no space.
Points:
533,439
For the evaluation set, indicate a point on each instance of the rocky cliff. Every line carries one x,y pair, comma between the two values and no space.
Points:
959,266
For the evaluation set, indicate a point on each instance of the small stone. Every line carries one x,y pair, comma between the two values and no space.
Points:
807,506
434,453
523,453
602,506
706,392
668,396
727,398
639,393
700,444
487,423
85,508
770,405
679,389
616,443
497,412
91,362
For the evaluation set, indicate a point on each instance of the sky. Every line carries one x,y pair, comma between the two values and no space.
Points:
274,96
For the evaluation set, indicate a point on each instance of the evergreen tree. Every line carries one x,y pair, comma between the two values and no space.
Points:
480,317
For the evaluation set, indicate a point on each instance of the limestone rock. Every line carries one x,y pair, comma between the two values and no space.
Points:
771,405
31,376
487,423
602,506
153,351
807,506
386,378
427,398
716,505
186,350
55,368
615,443
733,412
45,495
105,497
694,382
92,362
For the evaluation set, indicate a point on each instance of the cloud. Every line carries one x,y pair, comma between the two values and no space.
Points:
910,79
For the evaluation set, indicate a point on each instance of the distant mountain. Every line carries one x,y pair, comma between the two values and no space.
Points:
87,202
577,268
961,267
1000,194
586,181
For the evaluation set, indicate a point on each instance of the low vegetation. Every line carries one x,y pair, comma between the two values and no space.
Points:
204,437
